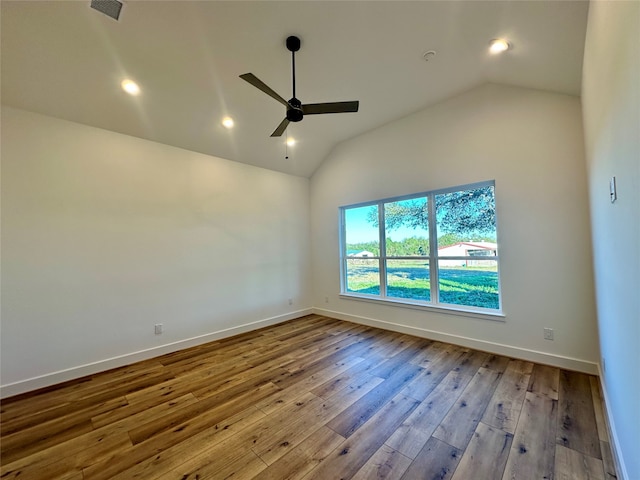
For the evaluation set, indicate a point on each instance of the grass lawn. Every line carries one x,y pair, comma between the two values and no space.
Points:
472,286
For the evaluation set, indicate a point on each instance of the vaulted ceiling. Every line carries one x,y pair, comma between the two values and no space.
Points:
67,60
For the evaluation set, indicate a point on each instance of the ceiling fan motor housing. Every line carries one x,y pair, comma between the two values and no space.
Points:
294,113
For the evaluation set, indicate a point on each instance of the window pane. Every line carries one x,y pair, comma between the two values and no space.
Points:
473,286
361,232
408,279
363,276
407,228
466,223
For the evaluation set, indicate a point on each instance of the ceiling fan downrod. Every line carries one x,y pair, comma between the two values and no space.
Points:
295,113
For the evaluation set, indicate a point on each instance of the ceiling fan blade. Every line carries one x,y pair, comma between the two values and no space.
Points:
259,84
281,128
330,107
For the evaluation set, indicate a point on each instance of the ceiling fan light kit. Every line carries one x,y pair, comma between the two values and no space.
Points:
295,109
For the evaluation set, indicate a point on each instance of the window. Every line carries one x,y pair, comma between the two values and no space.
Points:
434,249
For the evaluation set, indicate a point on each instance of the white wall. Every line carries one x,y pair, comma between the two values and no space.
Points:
611,102
105,235
531,143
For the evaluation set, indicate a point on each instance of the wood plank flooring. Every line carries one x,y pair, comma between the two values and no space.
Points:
313,398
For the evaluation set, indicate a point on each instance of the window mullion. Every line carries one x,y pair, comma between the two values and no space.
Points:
382,263
433,249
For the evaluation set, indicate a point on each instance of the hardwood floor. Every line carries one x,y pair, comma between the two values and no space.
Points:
313,398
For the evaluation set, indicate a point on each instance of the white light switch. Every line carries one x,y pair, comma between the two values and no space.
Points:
612,189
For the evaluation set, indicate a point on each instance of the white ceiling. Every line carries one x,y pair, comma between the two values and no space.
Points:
66,60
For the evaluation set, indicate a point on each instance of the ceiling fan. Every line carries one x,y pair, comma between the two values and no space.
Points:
295,109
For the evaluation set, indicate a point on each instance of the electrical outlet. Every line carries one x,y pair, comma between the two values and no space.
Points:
326,299
548,333
291,301
159,328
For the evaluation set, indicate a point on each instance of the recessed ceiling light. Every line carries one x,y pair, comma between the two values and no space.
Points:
227,122
291,142
130,87
498,45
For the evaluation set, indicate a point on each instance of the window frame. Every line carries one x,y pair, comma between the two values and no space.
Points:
433,258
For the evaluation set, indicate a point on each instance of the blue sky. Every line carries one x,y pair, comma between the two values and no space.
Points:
360,230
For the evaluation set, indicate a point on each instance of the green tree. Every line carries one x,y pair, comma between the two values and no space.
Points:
449,239
407,247
467,212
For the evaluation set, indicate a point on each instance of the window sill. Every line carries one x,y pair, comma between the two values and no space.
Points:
497,316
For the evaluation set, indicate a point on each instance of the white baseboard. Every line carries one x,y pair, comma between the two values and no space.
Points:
621,468
127,359
497,348
47,380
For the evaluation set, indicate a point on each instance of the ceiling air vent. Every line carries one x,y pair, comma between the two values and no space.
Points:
108,7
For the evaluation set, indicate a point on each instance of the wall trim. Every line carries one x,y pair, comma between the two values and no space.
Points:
618,459
60,376
560,361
